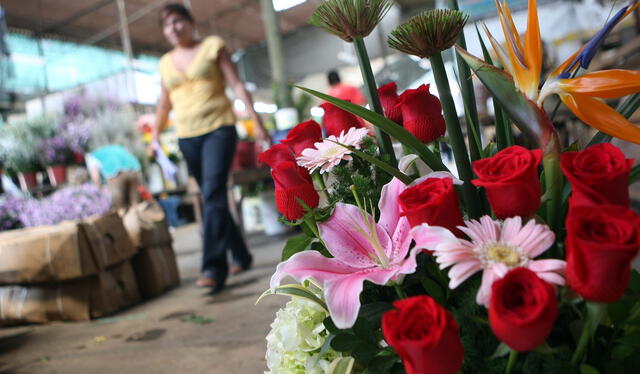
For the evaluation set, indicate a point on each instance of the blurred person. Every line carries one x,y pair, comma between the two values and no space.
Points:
119,170
194,74
344,91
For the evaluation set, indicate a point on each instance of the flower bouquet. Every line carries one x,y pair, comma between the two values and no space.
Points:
519,262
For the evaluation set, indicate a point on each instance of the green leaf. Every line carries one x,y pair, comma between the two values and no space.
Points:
341,365
621,352
634,283
345,342
632,340
330,326
319,247
380,164
501,351
373,312
586,369
295,245
294,290
635,174
381,364
524,112
387,126
364,330
364,352
434,290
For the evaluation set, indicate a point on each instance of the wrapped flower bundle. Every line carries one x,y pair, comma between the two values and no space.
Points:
519,262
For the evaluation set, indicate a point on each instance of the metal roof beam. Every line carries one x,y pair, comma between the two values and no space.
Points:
81,13
138,14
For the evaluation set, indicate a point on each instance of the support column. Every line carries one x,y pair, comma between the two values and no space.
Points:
125,38
276,55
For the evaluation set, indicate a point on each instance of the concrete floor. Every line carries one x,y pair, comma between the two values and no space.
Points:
168,334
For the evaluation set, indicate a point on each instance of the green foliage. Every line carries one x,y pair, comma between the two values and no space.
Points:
19,141
294,245
367,179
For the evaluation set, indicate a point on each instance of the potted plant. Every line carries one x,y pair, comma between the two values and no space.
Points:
55,154
19,140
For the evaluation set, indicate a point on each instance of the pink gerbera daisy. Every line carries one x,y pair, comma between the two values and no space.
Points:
329,152
495,248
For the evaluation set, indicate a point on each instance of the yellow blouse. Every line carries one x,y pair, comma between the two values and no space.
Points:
197,95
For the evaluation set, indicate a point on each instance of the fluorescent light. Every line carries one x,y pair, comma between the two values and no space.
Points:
280,5
264,107
316,111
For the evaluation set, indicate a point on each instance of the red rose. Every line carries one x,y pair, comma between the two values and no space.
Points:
292,183
511,180
303,136
336,120
433,201
522,309
601,243
598,175
422,114
425,335
276,154
388,98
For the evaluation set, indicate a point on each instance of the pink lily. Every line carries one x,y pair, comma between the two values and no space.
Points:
362,250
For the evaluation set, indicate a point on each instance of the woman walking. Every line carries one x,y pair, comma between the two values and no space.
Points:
194,75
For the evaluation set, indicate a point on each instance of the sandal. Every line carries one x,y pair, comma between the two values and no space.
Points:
206,282
237,269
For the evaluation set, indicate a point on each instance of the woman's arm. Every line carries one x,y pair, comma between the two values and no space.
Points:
162,114
233,81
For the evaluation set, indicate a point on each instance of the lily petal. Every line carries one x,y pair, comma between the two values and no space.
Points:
346,235
431,237
605,84
311,264
343,299
600,116
389,208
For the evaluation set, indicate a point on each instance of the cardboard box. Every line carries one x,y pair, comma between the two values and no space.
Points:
113,290
109,239
156,270
147,225
46,254
79,300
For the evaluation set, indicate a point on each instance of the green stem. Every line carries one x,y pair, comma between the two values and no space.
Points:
311,224
504,133
400,292
513,357
317,177
468,95
371,90
553,181
469,193
595,312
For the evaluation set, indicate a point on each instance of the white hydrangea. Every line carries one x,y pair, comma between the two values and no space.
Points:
296,338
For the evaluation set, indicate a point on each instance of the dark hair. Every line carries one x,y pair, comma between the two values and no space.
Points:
333,77
175,8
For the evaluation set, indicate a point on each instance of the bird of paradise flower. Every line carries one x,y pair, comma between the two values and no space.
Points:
523,61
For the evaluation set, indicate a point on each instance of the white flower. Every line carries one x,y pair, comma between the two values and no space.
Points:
296,338
328,153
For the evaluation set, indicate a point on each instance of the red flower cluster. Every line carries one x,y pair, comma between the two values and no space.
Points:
293,182
603,234
417,110
425,335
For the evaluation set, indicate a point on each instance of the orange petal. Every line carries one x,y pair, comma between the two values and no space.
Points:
606,84
532,43
502,55
600,116
631,9
562,67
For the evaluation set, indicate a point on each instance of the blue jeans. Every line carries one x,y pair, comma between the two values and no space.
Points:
209,158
